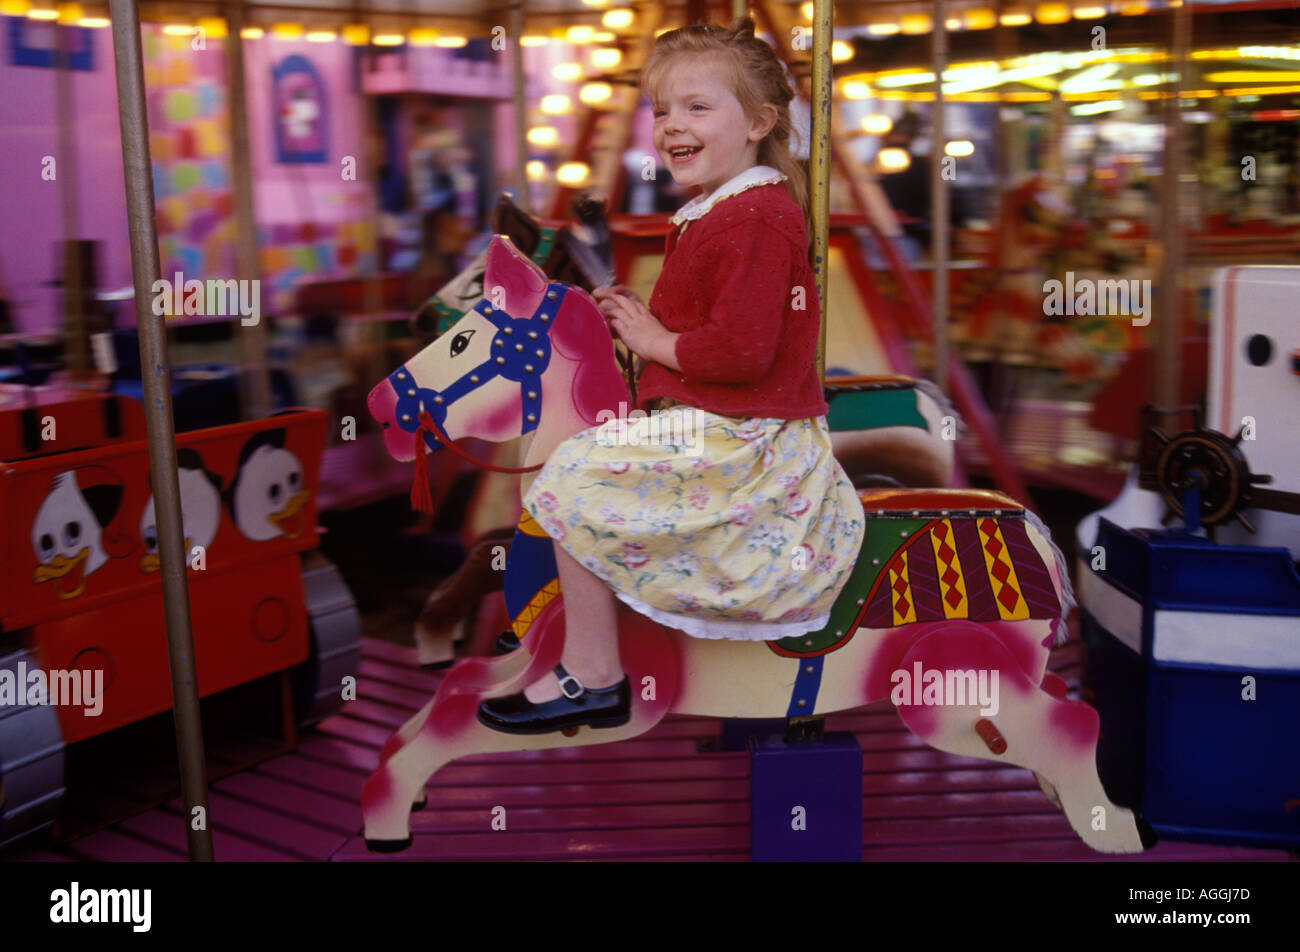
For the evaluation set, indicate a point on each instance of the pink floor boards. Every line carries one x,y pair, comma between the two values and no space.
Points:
651,798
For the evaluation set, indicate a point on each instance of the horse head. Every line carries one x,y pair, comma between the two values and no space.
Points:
529,356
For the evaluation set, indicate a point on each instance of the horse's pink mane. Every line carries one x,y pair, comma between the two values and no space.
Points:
580,332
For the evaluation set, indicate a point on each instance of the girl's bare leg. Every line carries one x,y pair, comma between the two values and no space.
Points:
590,632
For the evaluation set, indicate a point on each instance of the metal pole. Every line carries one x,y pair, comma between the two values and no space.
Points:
739,8
939,202
158,418
819,166
521,105
73,279
1166,374
252,343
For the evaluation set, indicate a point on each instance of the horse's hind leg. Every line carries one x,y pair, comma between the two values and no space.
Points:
1022,724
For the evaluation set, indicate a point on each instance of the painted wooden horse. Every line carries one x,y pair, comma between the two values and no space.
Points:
885,430
948,583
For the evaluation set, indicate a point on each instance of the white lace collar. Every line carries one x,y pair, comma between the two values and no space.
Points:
753,176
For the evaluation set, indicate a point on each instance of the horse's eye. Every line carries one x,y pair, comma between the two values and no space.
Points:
460,342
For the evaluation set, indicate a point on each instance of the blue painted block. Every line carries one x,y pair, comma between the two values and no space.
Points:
806,799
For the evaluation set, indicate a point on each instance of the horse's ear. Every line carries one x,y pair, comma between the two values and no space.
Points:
511,281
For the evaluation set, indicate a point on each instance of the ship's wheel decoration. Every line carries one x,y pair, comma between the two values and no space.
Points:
1203,476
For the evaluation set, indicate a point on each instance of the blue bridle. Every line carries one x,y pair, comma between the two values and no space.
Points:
521,352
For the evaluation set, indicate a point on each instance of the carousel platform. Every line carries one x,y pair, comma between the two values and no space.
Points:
663,796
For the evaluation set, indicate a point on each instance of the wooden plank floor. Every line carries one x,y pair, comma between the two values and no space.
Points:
650,798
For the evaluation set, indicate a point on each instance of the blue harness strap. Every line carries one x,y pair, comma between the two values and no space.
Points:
807,682
521,352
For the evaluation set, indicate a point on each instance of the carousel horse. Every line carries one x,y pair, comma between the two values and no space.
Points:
885,430
948,582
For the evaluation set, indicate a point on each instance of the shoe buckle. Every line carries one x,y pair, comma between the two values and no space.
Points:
578,689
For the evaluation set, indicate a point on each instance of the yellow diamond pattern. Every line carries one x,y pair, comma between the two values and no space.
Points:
1021,610
525,619
902,603
962,607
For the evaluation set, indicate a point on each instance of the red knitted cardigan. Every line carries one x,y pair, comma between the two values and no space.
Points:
729,286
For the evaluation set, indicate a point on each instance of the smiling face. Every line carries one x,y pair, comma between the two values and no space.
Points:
701,131
66,539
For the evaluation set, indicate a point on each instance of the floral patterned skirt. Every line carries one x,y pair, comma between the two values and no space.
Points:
744,529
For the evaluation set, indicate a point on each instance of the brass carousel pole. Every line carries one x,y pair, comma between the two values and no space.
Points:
939,203
142,226
819,164
521,104
254,385
1165,378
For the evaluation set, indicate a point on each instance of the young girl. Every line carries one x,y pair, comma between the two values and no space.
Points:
744,526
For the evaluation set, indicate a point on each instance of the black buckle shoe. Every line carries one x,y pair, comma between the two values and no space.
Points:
579,707
506,642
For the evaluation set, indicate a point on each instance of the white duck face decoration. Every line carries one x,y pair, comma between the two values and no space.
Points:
200,509
268,499
71,535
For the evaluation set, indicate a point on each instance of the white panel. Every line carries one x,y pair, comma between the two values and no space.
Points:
1113,610
1238,641
1248,301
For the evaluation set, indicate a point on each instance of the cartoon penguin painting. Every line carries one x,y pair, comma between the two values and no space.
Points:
74,533
267,499
200,509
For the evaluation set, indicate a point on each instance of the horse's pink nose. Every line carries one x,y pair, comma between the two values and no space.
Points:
382,403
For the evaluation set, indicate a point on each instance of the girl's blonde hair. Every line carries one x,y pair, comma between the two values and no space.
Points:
756,78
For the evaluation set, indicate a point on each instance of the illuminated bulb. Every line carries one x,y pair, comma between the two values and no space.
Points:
422,36
914,23
960,147
572,173
855,89
598,4
533,41
70,13
388,39
175,29
592,93
952,23
877,124
93,23
322,36
451,42
981,18
617,19
556,104
287,31
567,72
807,10
579,34
883,29
841,52
606,57
893,160
1089,13
42,14
14,8
603,36
1015,19
214,27
544,136
535,170
356,34
1052,13
252,33
1133,9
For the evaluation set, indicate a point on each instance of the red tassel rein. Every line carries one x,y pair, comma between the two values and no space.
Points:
421,495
